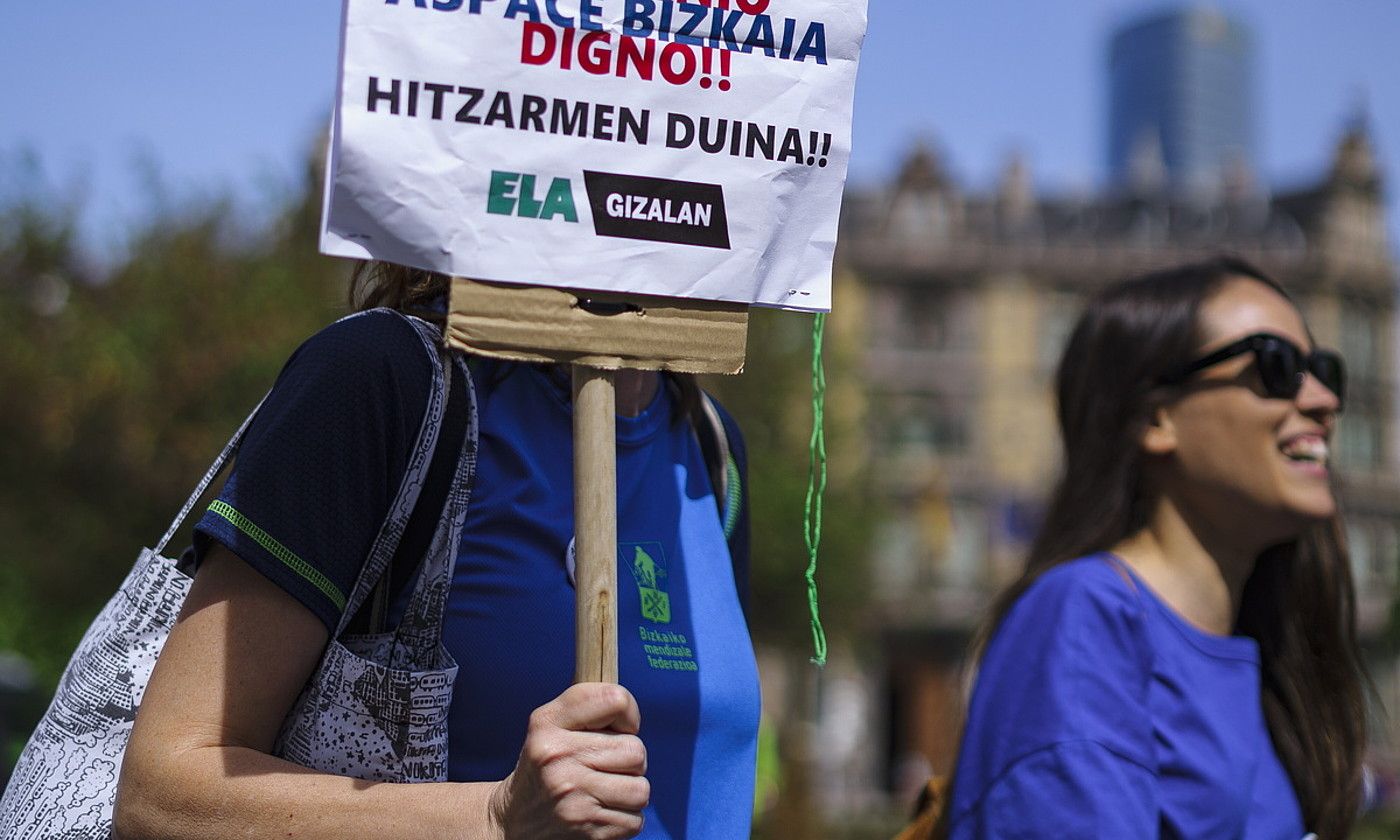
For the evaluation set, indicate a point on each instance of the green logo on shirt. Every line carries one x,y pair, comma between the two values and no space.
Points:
666,649
651,584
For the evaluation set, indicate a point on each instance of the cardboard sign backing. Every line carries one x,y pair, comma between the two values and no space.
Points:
605,330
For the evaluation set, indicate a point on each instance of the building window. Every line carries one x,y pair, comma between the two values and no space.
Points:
934,319
926,424
1359,546
967,548
1358,342
896,557
921,216
1358,442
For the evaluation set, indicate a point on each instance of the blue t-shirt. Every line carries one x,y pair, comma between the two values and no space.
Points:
325,456
683,648
1100,713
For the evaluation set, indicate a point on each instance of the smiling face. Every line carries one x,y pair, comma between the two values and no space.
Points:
1233,454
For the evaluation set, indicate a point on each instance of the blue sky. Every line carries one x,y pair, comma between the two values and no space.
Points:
228,97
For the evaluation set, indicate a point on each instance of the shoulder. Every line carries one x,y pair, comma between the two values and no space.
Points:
730,427
719,407
1080,621
1069,664
374,358
359,385
378,338
322,461
1089,592
1072,659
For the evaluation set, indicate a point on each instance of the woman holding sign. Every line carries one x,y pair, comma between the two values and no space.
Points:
1180,657
669,756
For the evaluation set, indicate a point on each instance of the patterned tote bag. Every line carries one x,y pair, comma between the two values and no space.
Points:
385,694
376,708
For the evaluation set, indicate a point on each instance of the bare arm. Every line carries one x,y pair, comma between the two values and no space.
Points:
198,763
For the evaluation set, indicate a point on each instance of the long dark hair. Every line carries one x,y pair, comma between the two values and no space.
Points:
1299,602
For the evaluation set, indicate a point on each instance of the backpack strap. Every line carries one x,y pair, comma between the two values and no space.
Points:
724,470
727,481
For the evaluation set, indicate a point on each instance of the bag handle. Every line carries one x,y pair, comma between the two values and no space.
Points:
208,479
419,633
386,542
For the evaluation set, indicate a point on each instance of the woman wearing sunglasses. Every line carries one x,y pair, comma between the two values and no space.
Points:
1179,658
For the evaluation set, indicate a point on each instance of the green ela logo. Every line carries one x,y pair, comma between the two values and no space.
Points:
513,194
651,582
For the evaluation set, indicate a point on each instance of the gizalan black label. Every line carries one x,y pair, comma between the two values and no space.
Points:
657,209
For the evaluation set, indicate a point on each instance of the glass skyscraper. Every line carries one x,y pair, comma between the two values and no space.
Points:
1180,100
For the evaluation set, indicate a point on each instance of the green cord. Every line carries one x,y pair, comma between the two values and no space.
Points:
816,484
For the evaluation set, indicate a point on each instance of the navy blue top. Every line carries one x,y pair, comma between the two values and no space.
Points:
1099,712
323,459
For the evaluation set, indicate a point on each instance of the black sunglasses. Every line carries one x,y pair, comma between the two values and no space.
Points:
1280,363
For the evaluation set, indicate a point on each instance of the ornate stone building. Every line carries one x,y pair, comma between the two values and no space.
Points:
968,299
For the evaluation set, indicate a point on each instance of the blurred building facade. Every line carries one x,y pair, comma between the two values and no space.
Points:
1180,100
969,299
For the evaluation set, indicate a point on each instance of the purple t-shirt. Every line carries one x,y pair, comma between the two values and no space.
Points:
1099,712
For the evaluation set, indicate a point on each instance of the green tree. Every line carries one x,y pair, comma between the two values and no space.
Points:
119,392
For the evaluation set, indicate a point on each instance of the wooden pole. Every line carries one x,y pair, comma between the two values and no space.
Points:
593,332
595,525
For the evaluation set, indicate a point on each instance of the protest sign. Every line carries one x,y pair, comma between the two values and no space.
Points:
658,165
687,150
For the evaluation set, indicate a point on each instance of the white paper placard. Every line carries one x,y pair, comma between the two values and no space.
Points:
643,146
